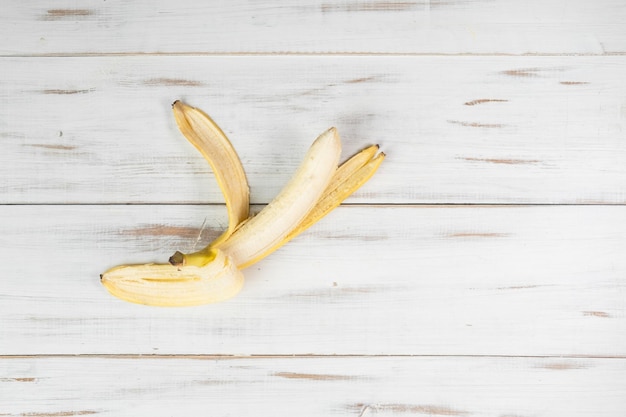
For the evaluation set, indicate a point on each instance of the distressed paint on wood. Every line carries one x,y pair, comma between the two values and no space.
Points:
458,280
456,129
324,26
489,128
339,386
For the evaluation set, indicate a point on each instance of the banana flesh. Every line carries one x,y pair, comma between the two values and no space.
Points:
350,176
214,274
247,245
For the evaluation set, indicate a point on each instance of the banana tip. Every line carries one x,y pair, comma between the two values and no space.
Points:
175,102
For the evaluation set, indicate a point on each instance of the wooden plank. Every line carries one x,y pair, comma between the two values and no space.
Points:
387,386
456,129
325,26
365,280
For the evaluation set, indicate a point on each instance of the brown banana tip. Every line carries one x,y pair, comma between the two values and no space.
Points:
377,146
174,103
177,259
100,277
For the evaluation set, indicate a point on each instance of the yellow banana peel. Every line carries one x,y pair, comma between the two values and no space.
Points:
214,274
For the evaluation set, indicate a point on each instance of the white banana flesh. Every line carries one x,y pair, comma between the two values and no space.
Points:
261,233
214,273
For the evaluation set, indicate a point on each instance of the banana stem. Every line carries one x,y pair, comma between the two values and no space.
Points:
199,258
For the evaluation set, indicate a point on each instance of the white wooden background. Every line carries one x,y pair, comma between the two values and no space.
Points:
481,272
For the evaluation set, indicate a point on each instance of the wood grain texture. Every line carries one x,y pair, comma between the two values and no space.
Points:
481,272
324,26
357,387
456,129
365,280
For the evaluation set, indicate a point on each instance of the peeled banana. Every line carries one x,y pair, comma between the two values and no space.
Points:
214,273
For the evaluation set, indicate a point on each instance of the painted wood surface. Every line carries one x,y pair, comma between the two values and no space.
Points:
480,273
366,280
456,129
324,26
339,386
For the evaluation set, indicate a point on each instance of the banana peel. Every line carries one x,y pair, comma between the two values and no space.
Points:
213,273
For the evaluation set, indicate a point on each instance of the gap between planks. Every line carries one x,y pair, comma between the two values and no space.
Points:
295,356
313,54
381,205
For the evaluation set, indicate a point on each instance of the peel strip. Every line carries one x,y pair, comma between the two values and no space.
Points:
210,140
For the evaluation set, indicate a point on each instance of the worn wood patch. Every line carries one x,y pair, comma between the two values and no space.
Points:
374,386
455,129
349,26
459,280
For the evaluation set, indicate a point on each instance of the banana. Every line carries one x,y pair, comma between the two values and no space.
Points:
252,241
214,273
350,176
